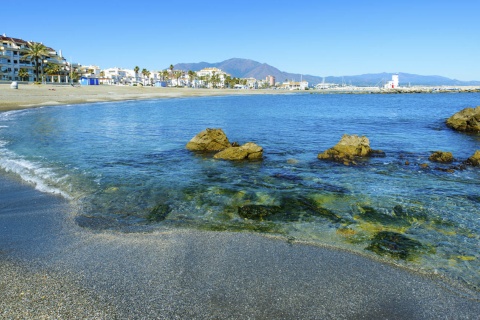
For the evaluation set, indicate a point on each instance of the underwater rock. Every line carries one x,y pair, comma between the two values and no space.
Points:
394,244
159,213
256,212
466,120
441,156
348,148
249,151
475,159
209,140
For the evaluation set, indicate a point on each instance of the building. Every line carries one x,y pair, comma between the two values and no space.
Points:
293,85
212,77
12,63
393,84
270,80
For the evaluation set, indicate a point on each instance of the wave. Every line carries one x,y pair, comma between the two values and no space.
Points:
42,178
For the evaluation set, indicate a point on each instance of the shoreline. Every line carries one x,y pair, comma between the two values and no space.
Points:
32,96
51,267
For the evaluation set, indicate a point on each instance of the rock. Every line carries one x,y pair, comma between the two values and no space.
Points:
475,159
249,151
441,156
349,147
256,212
467,120
209,140
394,244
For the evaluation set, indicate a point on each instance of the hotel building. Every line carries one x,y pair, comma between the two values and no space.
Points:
11,62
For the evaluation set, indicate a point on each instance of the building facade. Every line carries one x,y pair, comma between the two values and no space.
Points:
14,67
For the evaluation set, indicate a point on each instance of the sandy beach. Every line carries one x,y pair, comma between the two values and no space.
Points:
29,96
51,268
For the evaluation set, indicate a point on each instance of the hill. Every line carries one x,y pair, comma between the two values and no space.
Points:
246,68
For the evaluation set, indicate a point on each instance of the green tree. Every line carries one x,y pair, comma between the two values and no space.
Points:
145,74
35,51
52,69
177,74
23,73
191,76
136,69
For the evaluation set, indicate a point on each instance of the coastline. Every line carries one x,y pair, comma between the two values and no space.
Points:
31,96
53,268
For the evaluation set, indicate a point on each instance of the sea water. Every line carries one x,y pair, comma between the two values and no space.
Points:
125,165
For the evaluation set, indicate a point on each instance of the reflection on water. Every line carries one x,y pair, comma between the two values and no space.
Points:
127,167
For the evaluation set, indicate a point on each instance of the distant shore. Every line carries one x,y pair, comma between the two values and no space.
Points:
30,95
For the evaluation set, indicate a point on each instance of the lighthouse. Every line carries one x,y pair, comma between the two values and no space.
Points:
393,84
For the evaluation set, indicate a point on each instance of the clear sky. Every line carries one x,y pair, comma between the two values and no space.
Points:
317,37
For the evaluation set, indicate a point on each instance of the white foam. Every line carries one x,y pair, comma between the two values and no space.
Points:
43,179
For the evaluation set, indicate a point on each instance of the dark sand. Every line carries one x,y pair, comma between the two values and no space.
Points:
51,268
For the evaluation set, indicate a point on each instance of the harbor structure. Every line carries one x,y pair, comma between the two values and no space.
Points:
392,84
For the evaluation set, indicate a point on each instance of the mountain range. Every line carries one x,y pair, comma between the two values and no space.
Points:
246,68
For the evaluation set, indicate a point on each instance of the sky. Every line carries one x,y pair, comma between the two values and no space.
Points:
316,37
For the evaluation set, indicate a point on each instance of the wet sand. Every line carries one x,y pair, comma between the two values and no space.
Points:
51,268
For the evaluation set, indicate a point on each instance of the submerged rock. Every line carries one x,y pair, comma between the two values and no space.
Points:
441,156
256,212
394,244
209,140
159,213
475,159
348,148
249,151
467,120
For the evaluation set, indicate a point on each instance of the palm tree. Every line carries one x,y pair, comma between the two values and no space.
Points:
136,69
23,73
191,75
177,75
145,74
35,51
164,75
52,69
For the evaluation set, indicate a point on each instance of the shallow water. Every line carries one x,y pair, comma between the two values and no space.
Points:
126,165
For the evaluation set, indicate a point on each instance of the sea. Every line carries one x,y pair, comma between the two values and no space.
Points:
125,168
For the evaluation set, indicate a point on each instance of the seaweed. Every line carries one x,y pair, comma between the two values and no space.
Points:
394,244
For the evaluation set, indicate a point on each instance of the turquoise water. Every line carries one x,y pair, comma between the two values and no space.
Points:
126,166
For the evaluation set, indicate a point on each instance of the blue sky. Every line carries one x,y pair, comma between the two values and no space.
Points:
322,37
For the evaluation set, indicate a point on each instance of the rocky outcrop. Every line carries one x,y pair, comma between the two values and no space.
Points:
467,120
209,140
475,159
441,156
348,148
249,151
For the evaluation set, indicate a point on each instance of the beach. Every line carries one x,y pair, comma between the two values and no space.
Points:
29,96
51,268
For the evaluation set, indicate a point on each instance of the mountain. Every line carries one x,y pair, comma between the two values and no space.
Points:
246,68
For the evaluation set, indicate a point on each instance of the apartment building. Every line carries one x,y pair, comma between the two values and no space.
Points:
12,61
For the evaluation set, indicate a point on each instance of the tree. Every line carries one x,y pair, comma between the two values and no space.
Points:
23,73
35,51
52,69
164,75
102,74
145,74
177,74
191,76
136,69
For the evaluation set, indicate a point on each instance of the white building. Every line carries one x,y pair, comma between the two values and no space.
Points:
207,74
12,62
292,85
393,84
